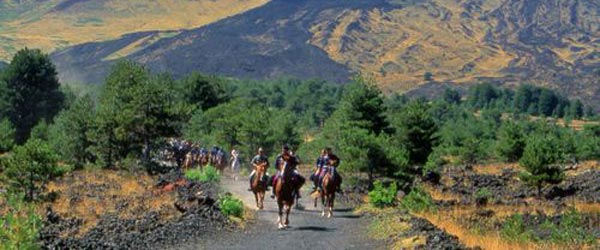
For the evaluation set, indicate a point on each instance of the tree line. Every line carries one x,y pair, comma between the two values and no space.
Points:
50,128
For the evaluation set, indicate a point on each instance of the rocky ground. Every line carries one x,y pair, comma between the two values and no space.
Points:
164,213
467,211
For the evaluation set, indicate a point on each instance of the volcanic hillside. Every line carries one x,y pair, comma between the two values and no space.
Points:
402,43
52,24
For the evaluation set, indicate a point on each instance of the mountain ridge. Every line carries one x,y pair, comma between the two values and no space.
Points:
399,42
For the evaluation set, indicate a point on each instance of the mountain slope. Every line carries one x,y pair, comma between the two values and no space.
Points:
554,43
52,24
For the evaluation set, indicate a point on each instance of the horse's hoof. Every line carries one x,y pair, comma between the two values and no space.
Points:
323,214
329,215
281,226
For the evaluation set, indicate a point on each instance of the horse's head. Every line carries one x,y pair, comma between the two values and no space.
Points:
261,169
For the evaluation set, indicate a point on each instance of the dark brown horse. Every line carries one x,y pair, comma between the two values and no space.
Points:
284,191
327,194
259,186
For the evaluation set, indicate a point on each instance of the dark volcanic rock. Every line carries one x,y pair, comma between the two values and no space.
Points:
436,238
199,217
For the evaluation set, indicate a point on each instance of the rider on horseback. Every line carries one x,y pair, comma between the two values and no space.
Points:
260,158
331,162
319,168
286,155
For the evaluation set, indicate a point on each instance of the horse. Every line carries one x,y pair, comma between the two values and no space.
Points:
259,186
284,192
189,161
219,163
327,194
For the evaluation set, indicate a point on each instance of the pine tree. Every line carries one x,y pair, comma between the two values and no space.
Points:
70,133
541,152
32,91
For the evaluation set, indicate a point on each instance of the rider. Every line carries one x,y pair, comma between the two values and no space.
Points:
278,162
331,164
321,160
260,158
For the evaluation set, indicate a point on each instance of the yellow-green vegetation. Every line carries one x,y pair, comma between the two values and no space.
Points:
20,225
381,196
206,174
231,206
54,24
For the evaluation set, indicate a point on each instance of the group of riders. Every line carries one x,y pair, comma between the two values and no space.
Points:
187,154
327,162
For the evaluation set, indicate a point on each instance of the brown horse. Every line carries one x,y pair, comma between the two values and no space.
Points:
259,186
284,189
327,194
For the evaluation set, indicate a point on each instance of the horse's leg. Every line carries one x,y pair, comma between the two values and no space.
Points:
287,214
330,201
323,202
261,197
279,219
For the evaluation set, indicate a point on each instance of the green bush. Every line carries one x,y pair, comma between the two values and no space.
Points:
231,206
381,196
417,201
20,225
207,174
569,230
30,167
514,229
483,193
7,135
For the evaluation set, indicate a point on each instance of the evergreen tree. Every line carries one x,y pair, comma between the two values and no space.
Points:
203,91
416,129
32,91
7,134
137,110
451,96
511,142
576,109
70,133
30,166
547,103
363,104
541,152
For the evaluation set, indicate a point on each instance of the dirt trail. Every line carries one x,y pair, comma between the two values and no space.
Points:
308,230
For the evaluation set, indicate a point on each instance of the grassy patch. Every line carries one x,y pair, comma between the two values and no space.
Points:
418,201
207,174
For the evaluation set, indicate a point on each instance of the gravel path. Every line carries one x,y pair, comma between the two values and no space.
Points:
308,230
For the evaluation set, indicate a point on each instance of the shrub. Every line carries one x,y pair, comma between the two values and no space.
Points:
30,166
539,155
417,201
569,230
207,174
380,196
7,134
513,229
20,225
231,206
482,196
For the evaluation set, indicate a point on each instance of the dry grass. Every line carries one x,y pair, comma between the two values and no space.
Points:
439,195
495,168
90,194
